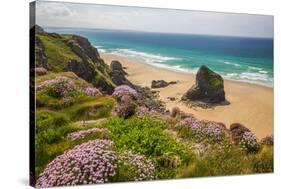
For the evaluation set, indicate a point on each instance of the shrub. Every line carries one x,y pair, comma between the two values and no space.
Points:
201,130
249,142
134,167
58,87
126,108
91,91
142,111
146,136
124,90
81,134
262,162
219,160
92,162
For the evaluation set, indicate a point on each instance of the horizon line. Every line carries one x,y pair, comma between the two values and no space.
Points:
143,31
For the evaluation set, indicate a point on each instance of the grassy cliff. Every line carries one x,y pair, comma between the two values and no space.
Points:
61,53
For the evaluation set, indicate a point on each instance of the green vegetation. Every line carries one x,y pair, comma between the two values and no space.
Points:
55,119
146,136
58,53
229,160
214,79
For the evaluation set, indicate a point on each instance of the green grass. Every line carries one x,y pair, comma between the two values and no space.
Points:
58,53
229,160
88,108
51,75
51,130
214,80
146,136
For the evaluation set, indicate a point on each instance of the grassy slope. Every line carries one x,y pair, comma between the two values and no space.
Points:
53,124
58,53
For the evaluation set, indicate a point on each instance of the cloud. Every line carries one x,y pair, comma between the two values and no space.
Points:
54,10
152,19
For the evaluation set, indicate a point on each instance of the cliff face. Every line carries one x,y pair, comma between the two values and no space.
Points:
59,53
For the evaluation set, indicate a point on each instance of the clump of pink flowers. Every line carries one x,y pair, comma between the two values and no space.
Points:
92,162
81,134
91,91
142,111
141,166
204,129
59,86
124,90
249,142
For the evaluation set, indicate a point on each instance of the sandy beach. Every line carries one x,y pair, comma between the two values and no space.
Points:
250,104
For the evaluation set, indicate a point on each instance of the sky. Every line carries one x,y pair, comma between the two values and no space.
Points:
55,14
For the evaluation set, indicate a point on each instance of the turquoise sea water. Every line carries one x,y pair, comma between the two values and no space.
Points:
237,58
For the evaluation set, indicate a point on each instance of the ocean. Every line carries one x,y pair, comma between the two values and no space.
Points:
235,58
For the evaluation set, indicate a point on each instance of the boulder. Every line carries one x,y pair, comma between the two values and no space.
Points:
159,84
209,87
236,131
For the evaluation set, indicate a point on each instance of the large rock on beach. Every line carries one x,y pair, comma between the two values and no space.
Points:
209,87
161,83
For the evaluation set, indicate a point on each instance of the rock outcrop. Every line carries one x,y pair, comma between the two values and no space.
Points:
115,65
209,87
41,59
118,74
161,83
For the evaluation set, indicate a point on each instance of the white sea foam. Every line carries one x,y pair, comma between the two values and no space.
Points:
231,63
100,49
146,56
254,68
153,59
252,75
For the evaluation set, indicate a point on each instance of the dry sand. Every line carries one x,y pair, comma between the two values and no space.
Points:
251,105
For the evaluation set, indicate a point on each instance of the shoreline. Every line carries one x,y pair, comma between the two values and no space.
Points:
250,104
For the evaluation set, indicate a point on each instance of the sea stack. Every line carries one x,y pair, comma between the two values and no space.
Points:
208,88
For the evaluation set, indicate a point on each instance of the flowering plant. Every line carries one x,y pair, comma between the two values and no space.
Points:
81,134
138,165
58,87
249,142
124,90
91,91
142,110
92,162
203,129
